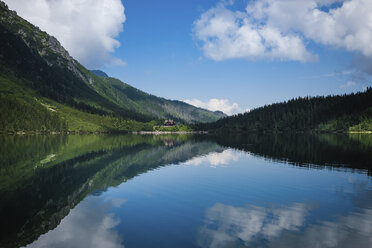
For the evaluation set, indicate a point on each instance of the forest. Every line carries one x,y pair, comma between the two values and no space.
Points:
344,113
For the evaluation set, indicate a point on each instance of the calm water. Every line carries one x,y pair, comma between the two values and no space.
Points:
186,191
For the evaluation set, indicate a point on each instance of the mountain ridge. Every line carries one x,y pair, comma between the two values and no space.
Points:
99,73
36,71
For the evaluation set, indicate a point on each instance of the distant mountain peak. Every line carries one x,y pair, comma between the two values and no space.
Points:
99,73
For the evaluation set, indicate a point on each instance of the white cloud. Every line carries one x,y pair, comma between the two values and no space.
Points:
216,158
348,85
87,29
280,29
226,34
214,104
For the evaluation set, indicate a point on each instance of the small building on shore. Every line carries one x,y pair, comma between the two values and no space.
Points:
169,123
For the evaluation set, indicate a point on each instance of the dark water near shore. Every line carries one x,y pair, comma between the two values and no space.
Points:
186,191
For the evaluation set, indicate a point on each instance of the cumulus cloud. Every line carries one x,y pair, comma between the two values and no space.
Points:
214,104
227,34
216,158
281,29
87,29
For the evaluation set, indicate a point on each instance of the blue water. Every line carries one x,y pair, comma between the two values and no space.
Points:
238,200
221,197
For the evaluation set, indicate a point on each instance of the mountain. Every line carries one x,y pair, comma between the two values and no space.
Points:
42,88
99,73
346,113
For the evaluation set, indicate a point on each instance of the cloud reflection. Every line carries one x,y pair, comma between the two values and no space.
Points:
216,158
353,230
88,225
229,226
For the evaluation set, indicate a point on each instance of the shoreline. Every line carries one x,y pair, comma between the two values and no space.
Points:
96,132
169,132
361,132
148,132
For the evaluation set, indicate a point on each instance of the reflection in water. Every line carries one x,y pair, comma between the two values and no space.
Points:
216,158
307,150
38,189
352,230
42,178
227,226
88,225
290,225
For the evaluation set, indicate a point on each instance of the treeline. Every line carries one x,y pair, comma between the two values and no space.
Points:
332,113
176,128
17,114
311,150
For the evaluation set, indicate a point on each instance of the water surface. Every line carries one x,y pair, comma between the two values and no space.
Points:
186,191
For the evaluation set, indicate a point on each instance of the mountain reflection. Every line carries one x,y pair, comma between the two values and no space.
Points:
43,177
306,150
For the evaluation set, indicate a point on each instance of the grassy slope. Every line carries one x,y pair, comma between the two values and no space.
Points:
136,100
22,109
37,72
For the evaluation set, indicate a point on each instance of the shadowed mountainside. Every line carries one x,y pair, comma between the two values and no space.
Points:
42,88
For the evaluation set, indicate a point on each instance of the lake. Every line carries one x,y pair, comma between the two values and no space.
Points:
285,190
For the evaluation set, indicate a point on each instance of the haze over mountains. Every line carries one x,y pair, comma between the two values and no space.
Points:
43,88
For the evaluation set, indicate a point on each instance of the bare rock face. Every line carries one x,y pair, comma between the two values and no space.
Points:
3,5
48,47
6,15
57,48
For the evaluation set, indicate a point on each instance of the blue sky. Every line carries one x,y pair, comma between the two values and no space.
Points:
164,59
165,52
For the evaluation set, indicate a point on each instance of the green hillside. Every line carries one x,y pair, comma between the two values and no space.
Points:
42,88
346,113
